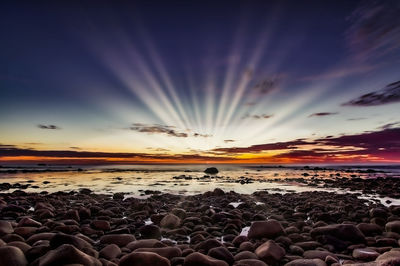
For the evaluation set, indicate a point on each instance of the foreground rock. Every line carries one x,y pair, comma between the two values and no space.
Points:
144,259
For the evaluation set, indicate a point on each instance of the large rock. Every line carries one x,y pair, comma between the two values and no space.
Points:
5,228
61,239
365,254
12,256
318,254
198,259
389,258
250,262
211,170
144,243
393,227
110,252
221,253
306,262
67,254
369,229
170,221
143,259
346,232
265,229
150,231
270,252
120,240
166,252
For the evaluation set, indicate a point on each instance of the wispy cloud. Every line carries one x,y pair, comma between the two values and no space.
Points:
229,140
166,130
42,126
262,116
389,94
375,29
322,114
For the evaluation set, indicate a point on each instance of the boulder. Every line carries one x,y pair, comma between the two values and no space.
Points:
120,240
67,254
211,170
198,259
143,259
12,256
170,221
346,232
270,252
306,262
265,229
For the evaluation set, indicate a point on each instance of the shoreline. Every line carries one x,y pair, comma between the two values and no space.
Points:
213,228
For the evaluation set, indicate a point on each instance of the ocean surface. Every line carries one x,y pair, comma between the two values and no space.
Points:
140,180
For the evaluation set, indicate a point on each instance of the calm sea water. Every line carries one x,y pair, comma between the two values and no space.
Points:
179,179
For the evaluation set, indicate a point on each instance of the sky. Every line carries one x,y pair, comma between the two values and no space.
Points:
266,82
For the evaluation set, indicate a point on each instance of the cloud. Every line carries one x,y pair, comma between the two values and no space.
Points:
264,147
341,72
322,114
262,116
158,129
163,129
269,84
375,28
389,94
41,126
229,140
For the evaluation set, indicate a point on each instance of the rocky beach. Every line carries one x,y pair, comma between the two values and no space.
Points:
217,227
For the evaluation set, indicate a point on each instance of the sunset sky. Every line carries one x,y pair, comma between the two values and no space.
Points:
269,82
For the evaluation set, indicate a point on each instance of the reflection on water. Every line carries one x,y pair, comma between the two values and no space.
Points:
135,180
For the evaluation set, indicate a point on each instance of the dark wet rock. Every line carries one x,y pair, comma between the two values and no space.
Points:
25,231
120,240
270,252
21,245
67,254
144,243
110,252
61,239
265,229
393,226
26,221
12,256
245,255
369,229
143,259
347,232
221,253
317,254
306,262
198,259
166,252
389,258
211,170
150,231
308,245
365,254
40,236
170,221
207,245
5,228
250,262
101,225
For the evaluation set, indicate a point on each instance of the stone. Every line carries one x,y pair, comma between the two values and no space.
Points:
67,254
270,252
110,252
221,253
143,259
12,256
150,231
170,221
198,259
166,252
211,170
120,240
144,243
306,262
347,232
389,258
365,254
393,226
5,228
317,254
101,225
250,262
265,229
